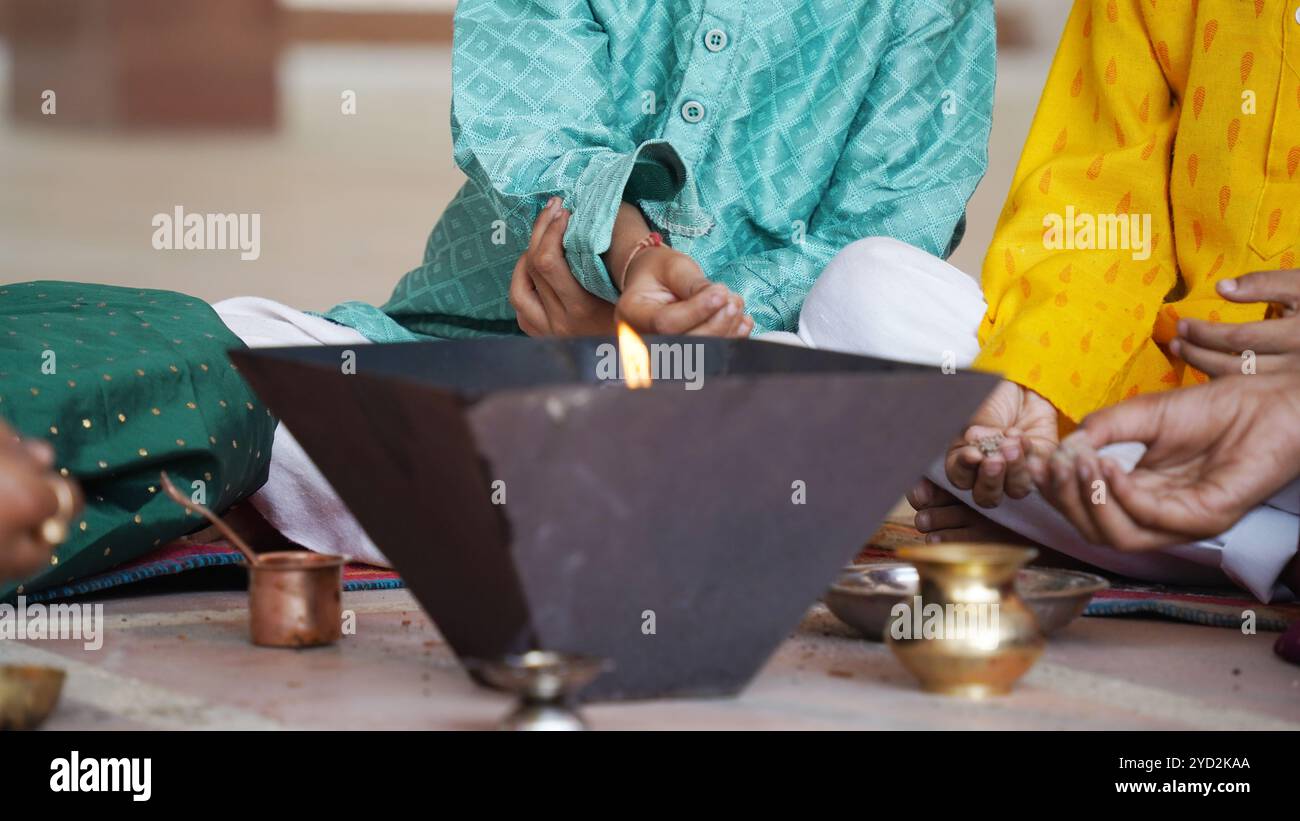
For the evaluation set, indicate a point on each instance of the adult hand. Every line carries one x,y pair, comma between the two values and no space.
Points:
34,501
1218,348
1214,452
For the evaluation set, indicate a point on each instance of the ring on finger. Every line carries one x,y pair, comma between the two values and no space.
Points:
54,530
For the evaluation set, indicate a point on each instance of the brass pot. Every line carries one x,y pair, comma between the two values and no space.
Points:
27,695
295,599
967,632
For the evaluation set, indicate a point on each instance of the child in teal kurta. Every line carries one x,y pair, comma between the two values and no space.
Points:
758,137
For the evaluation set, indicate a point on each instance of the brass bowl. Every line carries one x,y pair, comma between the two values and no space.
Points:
28,695
864,594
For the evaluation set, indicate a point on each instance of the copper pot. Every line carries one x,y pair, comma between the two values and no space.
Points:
295,599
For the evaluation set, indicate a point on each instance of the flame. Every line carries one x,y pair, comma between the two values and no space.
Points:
634,357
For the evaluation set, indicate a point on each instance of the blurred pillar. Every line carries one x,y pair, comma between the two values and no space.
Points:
145,63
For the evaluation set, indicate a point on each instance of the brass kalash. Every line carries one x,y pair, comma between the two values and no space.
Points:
531,502
966,632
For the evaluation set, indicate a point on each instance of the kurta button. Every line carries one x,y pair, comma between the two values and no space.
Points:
1297,14
692,111
715,40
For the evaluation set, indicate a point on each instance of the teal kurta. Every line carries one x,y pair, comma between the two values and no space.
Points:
125,383
760,137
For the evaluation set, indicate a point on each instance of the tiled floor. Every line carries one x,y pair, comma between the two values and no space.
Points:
346,202
183,660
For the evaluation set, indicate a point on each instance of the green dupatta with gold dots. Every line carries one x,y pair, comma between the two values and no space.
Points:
125,383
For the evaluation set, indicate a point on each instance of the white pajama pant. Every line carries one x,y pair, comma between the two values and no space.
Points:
880,297
296,499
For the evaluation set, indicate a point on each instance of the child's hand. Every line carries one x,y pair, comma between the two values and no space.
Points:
1216,348
665,292
547,299
1016,423
31,496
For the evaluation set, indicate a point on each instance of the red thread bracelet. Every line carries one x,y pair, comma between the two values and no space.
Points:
653,240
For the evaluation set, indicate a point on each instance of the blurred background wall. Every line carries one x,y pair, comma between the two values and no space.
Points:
235,106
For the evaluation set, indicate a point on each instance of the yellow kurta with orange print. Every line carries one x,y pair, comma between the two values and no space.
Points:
1185,111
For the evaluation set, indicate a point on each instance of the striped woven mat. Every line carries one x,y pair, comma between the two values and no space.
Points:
178,558
1218,608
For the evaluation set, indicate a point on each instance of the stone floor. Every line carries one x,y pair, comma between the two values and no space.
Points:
183,660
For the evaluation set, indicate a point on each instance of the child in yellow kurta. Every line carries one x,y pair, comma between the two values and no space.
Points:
1164,159
1188,112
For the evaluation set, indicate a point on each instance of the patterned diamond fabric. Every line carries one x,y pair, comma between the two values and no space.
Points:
759,136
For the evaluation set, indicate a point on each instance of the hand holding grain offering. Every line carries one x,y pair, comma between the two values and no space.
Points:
1213,454
665,292
1267,346
990,458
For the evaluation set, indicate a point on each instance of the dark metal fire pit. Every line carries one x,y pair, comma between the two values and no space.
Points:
678,532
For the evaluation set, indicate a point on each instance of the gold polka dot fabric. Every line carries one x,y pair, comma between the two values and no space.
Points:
126,383
1185,111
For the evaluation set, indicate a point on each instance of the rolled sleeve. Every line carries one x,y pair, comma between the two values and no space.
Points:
654,172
